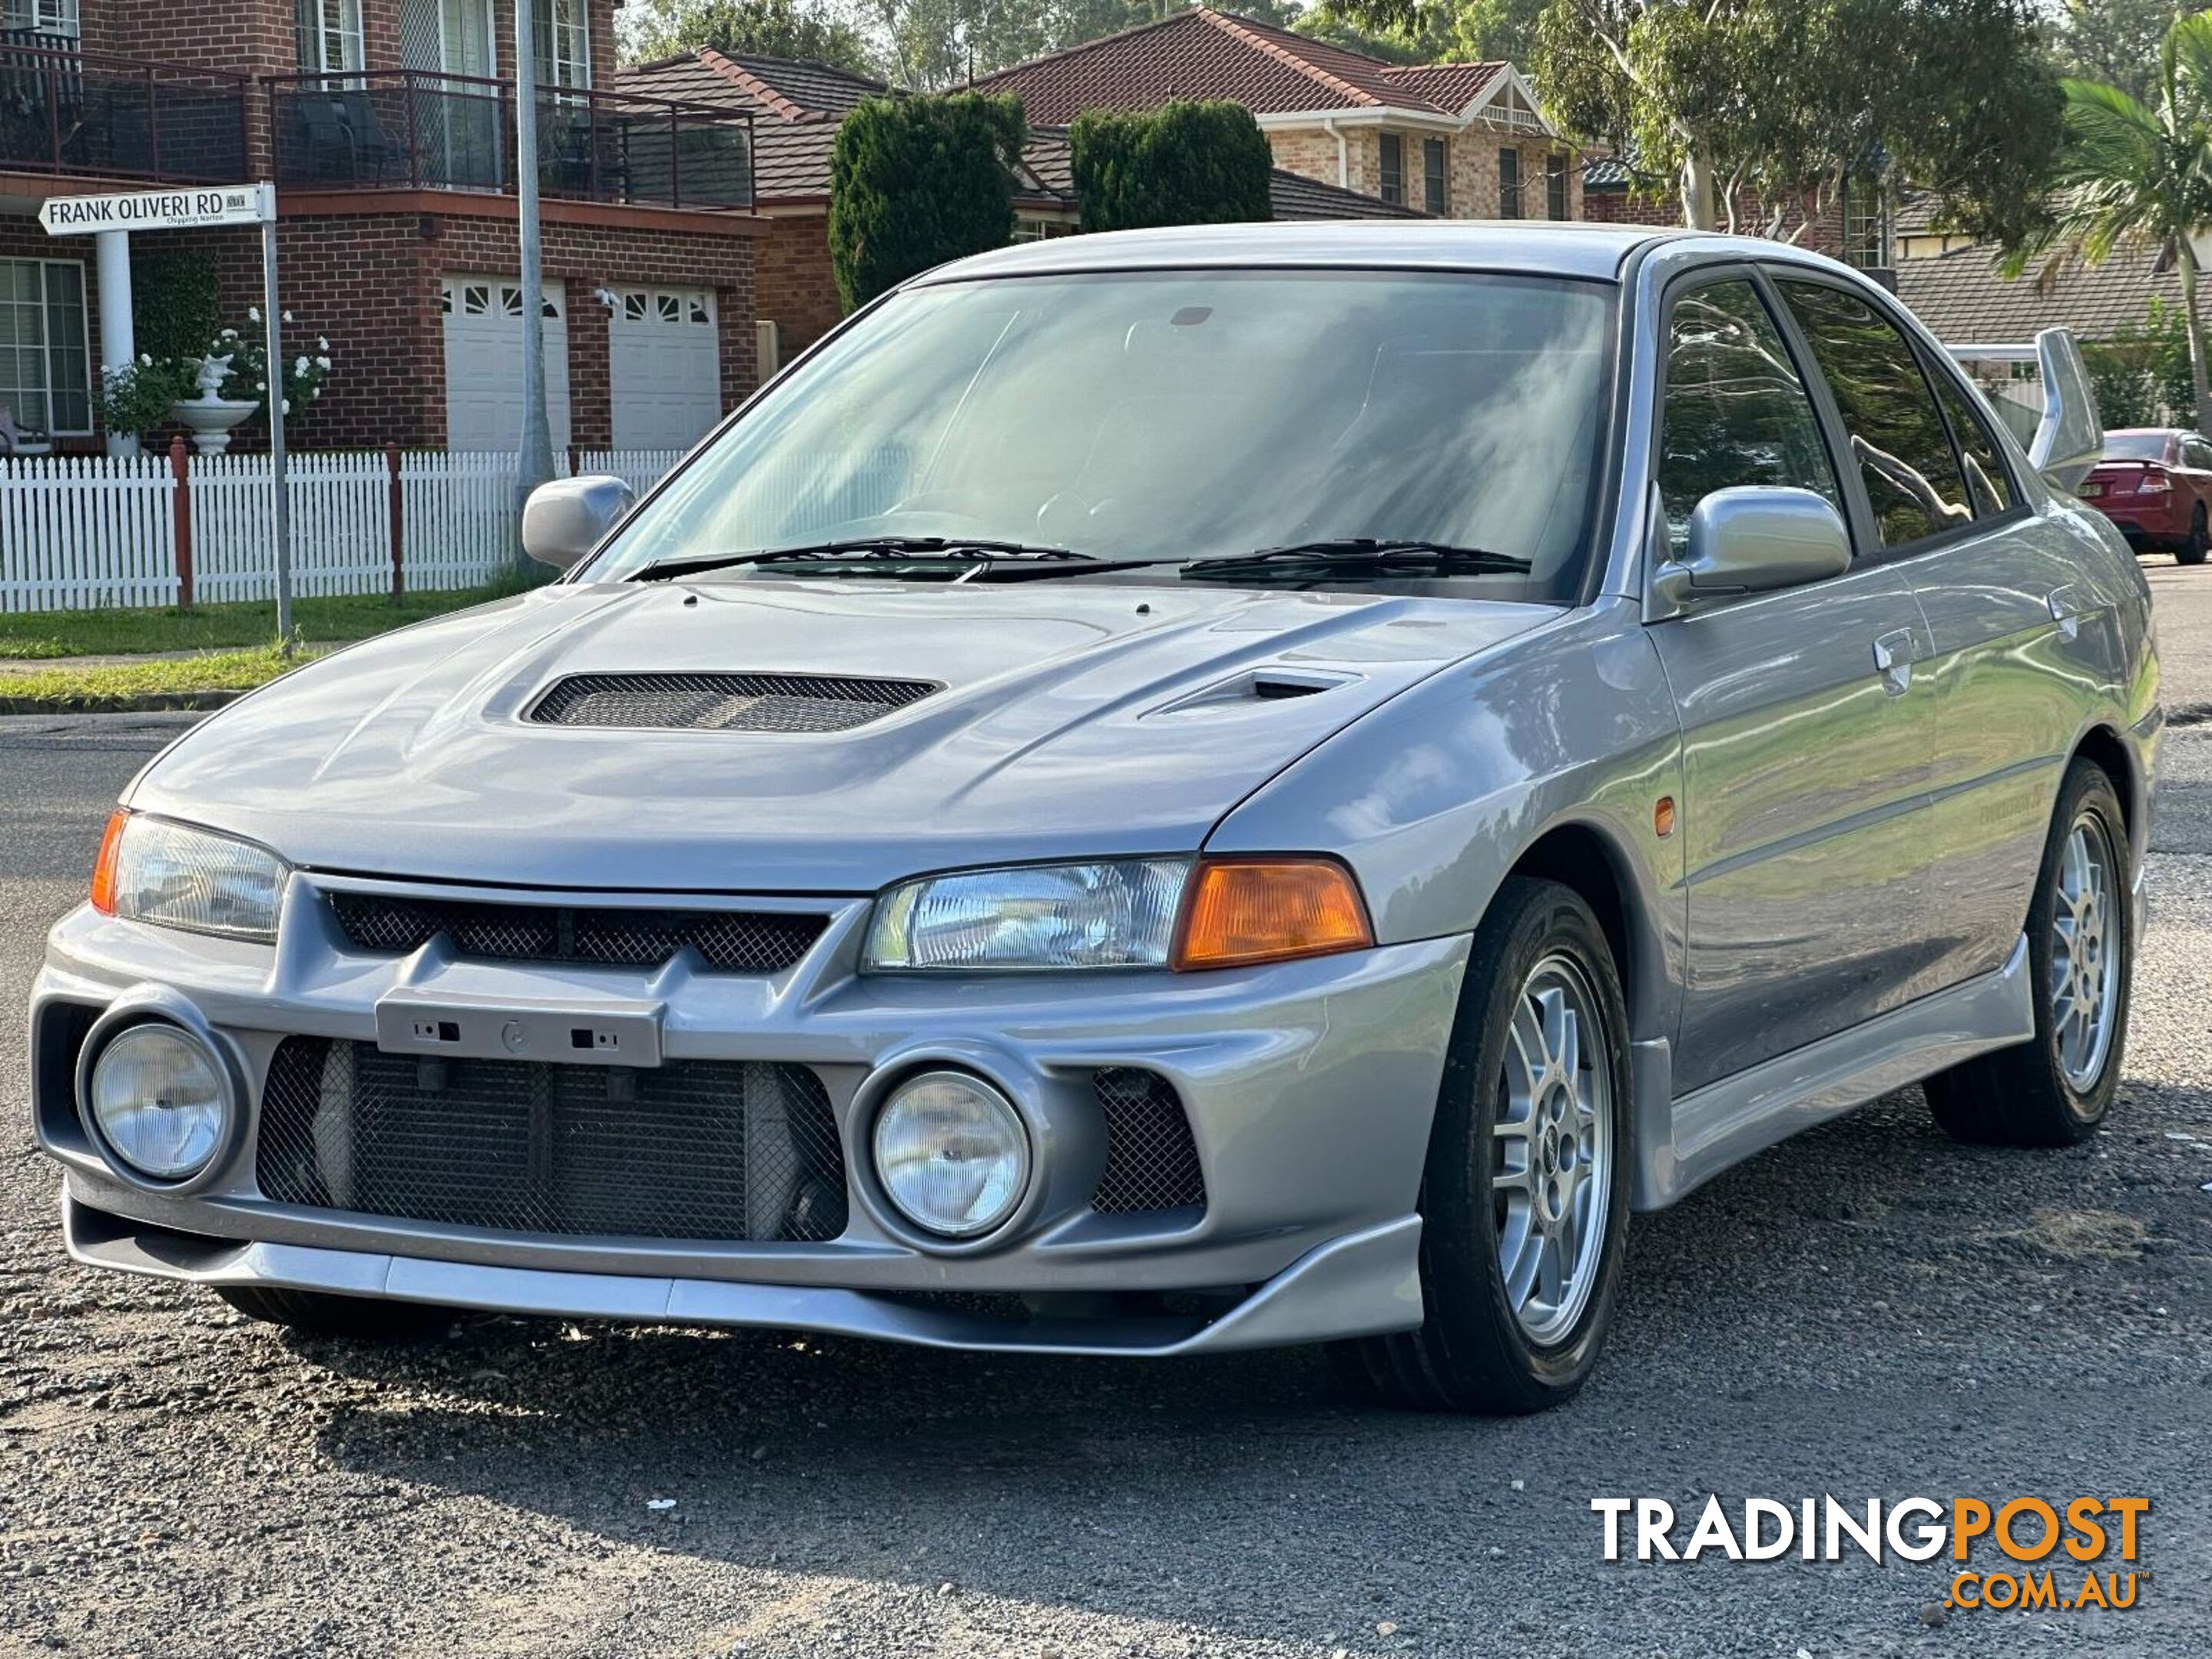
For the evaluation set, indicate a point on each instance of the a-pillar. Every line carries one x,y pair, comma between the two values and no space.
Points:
118,348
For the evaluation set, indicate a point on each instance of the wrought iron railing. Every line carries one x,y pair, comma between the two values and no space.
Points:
421,129
71,111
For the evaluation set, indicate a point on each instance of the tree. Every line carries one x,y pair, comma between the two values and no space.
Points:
1430,31
773,28
916,181
2115,41
2137,172
2141,374
1787,99
1184,163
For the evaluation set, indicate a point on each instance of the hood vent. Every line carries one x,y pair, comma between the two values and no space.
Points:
723,702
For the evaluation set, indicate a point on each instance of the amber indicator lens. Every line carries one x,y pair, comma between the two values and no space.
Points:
103,870
1662,818
1243,911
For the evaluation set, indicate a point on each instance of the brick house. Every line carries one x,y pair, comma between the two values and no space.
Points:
796,107
387,125
1461,140
1857,225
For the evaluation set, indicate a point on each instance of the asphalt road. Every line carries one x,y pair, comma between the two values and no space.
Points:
1867,1310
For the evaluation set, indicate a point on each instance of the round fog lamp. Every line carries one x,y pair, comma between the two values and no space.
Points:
158,1099
951,1153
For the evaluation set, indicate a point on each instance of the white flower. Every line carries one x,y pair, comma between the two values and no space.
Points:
323,364
254,313
287,316
261,386
287,405
230,334
321,344
298,365
145,360
316,392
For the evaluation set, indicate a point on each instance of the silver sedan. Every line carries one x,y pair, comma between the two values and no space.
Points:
1156,794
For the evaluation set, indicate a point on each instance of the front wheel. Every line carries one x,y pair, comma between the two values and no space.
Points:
1524,1200
2056,1091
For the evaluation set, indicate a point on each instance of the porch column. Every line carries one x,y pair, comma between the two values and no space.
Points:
118,347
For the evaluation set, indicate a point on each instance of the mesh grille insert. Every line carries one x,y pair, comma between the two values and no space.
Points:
723,702
703,1149
731,941
1151,1163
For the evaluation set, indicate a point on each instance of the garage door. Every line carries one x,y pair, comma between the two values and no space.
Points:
664,366
483,363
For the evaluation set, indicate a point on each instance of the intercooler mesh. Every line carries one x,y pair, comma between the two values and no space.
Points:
723,702
730,941
698,1150
1152,1161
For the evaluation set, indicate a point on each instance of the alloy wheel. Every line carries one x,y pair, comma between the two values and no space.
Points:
2085,954
1552,1166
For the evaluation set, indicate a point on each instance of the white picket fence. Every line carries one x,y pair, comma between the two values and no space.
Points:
88,533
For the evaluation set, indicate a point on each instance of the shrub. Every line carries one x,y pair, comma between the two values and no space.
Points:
1188,163
2141,375
173,300
135,400
916,181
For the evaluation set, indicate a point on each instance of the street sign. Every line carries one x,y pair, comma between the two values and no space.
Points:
159,209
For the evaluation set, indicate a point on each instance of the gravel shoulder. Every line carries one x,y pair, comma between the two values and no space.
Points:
1867,1310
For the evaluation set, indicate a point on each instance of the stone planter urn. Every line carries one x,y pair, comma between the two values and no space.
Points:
212,416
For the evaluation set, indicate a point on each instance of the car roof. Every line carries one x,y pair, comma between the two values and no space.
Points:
1537,247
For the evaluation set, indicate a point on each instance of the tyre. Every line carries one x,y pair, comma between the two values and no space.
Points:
358,1318
1524,1200
2055,1090
2200,538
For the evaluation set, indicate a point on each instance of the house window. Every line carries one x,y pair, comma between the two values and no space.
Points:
1509,184
329,33
1866,225
1432,175
56,17
1555,185
46,353
564,42
1029,227
1393,168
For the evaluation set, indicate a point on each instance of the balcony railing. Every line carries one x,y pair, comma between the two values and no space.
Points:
420,129
70,112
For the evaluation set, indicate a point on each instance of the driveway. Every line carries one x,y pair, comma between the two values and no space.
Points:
1867,1310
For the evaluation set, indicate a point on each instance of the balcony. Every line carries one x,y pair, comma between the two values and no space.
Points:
421,129
63,111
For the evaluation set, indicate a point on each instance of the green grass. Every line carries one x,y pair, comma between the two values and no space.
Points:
35,635
123,683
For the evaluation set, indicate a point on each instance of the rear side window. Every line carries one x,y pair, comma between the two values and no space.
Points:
1735,412
1897,435
1987,488
2197,454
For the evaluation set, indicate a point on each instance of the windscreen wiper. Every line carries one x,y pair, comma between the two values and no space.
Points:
908,548
1345,556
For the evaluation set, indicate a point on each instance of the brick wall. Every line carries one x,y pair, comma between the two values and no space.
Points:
1470,166
1308,152
1823,233
369,282
798,292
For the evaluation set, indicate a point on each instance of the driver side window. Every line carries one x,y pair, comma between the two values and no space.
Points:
1736,412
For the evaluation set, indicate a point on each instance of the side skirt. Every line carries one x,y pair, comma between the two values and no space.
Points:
1683,1143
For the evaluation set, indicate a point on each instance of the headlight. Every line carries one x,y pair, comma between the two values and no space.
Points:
158,1101
1118,915
175,876
951,1153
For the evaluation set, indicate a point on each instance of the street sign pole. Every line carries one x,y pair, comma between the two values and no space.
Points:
279,501
197,208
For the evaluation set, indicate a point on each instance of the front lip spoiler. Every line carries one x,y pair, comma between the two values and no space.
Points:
1360,1285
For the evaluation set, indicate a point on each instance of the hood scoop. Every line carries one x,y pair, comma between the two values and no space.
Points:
722,702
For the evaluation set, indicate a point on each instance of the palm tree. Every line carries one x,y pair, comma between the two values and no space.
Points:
2137,172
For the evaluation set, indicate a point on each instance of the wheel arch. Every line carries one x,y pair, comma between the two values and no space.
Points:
2106,750
1583,856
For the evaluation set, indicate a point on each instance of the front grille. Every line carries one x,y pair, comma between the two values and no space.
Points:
1151,1163
702,1149
723,702
731,941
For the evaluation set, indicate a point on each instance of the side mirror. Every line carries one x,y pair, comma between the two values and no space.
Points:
565,519
2070,437
1755,537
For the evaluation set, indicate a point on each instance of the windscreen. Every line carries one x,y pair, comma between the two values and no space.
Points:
1179,416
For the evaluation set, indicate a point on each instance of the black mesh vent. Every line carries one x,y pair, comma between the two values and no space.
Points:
702,1149
1152,1163
723,702
732,941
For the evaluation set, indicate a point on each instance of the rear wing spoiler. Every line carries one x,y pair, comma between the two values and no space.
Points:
2070,437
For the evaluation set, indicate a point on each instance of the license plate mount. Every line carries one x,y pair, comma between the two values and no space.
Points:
613,1033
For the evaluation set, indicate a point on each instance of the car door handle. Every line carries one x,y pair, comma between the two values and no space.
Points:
1893,655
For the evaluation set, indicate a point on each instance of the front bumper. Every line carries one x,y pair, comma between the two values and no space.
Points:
1308,1088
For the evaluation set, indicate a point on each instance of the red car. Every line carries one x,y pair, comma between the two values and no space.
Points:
2155,483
